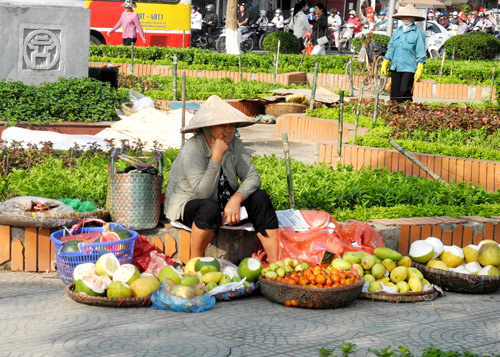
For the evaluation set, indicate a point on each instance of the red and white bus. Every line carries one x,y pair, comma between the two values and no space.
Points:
165,22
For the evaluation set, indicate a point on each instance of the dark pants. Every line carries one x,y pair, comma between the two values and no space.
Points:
206,214
401,86
129,41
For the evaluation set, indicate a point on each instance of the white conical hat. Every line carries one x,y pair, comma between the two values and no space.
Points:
409,10
216,111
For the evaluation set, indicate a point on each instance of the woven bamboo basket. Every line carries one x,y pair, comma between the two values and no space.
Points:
316,298
277,109
408,297
457,282
105,301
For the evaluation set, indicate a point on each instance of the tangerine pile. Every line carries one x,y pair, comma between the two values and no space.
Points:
318,277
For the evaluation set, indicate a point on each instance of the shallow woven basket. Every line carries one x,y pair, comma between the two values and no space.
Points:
457,282
408,297
104,301
316,298
277,109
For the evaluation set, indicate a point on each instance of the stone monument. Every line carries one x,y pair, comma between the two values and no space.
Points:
42,43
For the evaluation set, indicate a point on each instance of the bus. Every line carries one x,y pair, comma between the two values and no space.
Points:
166,23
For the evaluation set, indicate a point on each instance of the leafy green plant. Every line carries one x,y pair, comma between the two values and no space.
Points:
288,42
473,46
382,40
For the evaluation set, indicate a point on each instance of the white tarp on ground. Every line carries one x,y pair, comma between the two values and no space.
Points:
59,141
149,125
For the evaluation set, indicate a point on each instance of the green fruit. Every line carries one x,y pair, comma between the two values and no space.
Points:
399,274
414,272
437,264
107,264
171,274
378,270
403,287
206,261
404,262
280,264
305,266
295,262
288,269
287,262
207,269
368,261
189,280
182,291
421,251
82,270
250,268
226,279
471,253
90,286
415,284
352,257
271,275
453,256
212,277
358,268
340,263
369,277
264,271
211,285
389,264
236,279
374,286
387,253
392,286
384,279
127,274
246,284
273,267
71,246
489,254
281,272
144,287
117,290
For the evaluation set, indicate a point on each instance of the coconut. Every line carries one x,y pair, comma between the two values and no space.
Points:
489,254
250,268
473,267
453,256
489,270
471,253
437,245
421,251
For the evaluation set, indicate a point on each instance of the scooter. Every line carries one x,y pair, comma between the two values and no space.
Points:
346,35
263,31
206,41
246,36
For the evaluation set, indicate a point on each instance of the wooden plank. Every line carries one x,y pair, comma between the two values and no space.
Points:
447,236
490,181
159,244
468,171
17,259
426,232
31,244
467,237
4,244
489,228
475,172
52,257
184,246
170,245
478,237
404,239
43,249
483,174
437,231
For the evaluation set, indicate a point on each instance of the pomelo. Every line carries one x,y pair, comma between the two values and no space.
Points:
169,272
471,253
437,264
117,290
82,270
144,287
189,280
206,261
87,285
249,268
489,254
473,267
453,256
190,265
489,270
127,273
421,251
107,265
437,245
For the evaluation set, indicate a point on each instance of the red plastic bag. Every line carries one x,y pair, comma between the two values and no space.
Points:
363,234
144,250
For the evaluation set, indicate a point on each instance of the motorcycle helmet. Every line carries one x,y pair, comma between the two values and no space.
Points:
243,4
194,7
278,12
311,10
334,11
210,7
352,12
455,14
382,12
262,13
438,13
462,17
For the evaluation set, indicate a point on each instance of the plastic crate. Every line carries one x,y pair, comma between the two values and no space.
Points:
67,262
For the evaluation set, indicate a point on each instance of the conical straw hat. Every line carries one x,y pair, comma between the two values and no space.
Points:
215,111
409,10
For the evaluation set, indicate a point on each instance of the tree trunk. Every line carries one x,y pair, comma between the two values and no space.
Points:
232,43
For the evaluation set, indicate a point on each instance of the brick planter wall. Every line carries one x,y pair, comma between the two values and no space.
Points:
485,173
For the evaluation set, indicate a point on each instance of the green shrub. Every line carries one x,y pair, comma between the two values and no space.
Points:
473,46
289,43
382,40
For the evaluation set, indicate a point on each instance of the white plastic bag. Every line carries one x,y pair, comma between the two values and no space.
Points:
140,101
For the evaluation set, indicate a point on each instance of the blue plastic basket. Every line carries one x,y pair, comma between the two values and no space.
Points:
67,262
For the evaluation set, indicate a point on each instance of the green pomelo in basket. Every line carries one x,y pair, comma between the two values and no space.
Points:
118,290
127,274
250,268
82,270
144,287
489,254
91,286
71,246
206,261
169,272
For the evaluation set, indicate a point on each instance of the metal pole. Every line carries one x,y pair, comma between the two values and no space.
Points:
274,74
413,159
175,77
375,108
492,83
183,136
239,65
390,20
351,82
183,38
358,110
341,124
288,170
442,65
452,60
132,58
315,83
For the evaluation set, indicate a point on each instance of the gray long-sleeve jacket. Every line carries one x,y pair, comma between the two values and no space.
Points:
194,176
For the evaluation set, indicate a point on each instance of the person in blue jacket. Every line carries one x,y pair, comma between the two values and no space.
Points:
406,54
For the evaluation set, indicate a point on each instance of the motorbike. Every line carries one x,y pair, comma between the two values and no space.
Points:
346,35
263,31
206,40
246,35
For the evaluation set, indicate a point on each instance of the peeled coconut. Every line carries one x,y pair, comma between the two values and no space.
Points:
437,245
471,253
453,256
489,270
489,254
421,251
473,267
250,268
